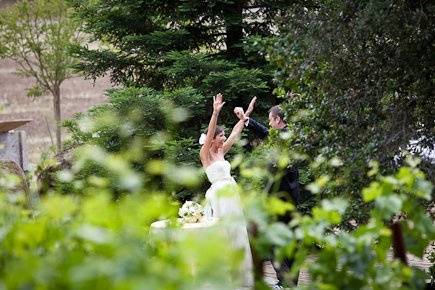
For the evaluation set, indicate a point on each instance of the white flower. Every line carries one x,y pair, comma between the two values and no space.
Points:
201,140
191,212
96,134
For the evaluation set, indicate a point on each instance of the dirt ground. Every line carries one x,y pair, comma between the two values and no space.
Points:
78,95
6,3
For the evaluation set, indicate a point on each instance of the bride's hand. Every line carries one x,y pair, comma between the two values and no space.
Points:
239,113
218,103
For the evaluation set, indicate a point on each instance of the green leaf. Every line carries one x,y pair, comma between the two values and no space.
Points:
372,192
277,206
389,205
423,189
331,216
406,176
279,234
59,207
35,91
318,184
94,234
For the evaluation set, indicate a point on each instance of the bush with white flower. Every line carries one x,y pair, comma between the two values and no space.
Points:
191,212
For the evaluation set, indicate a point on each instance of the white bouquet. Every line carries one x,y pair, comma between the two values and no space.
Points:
191,212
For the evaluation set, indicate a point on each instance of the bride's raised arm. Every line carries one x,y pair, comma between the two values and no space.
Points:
218,103
238,128
234,136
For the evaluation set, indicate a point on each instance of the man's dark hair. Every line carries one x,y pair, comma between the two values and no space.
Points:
277,112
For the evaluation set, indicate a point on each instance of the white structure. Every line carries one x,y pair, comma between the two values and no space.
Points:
13,143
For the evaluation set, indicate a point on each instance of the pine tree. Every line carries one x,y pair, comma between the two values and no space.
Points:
212,46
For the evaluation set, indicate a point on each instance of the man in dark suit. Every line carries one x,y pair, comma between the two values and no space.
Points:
289,187
289,183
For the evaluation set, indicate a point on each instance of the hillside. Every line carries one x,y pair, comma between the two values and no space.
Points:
6,3
77,96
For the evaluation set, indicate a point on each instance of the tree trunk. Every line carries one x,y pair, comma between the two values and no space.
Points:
57,117
234,29
399,249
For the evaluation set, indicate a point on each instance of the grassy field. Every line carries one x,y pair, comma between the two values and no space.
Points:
77,96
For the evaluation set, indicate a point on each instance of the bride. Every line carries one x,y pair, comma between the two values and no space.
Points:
222,199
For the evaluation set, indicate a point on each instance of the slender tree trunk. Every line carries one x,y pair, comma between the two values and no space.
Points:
234,29
57,117
399,249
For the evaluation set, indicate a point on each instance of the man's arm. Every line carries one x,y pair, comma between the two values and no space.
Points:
257,128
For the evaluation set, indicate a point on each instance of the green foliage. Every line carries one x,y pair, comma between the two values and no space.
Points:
35,91
364,74
359,259
147,34
361,256
95,243
100,237
133,153
262,169
166,46
142,113
173,47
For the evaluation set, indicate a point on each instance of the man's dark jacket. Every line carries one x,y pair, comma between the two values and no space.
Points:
289,185
290,181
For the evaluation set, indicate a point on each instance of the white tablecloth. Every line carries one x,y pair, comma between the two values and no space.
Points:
205,224
162,230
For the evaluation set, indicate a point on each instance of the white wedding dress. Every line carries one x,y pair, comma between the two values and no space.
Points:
223,202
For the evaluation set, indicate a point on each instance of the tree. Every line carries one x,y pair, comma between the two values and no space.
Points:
36,35
176,52
212,46
143,36
364,71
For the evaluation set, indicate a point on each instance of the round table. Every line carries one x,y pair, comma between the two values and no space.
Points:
206,223
162,230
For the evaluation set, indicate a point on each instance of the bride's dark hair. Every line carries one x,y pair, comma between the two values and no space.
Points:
219,129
